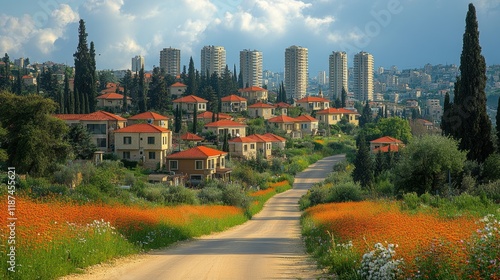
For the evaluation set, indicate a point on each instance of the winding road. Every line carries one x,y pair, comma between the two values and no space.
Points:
269,246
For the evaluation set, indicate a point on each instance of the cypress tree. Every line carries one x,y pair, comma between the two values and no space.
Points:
69,99
84,83
445,119
92,94
195,118
363,164
338,103
142,92
474,130
498,125
178,120
344,98
191,78
366,115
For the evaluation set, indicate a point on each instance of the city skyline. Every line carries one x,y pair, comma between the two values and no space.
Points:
391,30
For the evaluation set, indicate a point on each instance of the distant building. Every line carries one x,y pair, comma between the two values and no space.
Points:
296,72
170,61
19,62
251,68
213,59
137,63
338,74
363,76
322,78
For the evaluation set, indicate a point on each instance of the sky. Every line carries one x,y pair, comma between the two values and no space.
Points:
405,33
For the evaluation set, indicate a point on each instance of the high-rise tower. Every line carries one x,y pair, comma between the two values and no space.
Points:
363,76
251,68
170,61
296,72
137,63
213,59
338,74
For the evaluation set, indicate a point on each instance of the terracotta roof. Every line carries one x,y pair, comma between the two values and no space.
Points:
109,90
191,137
260,138
101,116
233,98
190,99
333,111
178,84
147,116
142,128
254,88
282,105
261,105
306,118
312,99
243,140
385,149
111,95
224,123
69,117
275,137
282,119
386,139
199,152
208,116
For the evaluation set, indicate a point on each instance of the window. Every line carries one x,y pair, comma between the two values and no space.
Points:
127,140
245,148
222,162
211,164
126,155
101,143
198,165
152,155
252,146
151,140
96,128
174,164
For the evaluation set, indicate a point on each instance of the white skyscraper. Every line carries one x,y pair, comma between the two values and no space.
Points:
338,74
137,63
213,59
363,76
296,72
251,68
322,78
170,61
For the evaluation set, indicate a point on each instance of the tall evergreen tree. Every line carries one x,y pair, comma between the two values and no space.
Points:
498,125
5,74
474,129
195,119
240,80
191,78
142,98
445,119
338,103
92,94
69,98
178,120
85,80
225,143
363,164
343,98
19,83
366,115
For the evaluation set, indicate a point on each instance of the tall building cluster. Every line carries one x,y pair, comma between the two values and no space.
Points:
170,61
251,68
296,72
213,59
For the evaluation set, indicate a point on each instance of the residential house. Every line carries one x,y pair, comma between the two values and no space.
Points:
112,101
189,103
287,124
143,142
208,117
232,128
254,94
243,147
332,116
233,103
177,90
278,142
281,108
264,144
385,144
112,88
190,137
199,164
313,103
29,80
307,124
261,110
151,118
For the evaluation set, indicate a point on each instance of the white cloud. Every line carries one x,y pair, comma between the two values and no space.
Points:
487,5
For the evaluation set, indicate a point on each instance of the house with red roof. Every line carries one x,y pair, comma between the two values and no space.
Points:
189,103
261,110
190,137
146,143
281,108
112,88
112,101
307,124
29,80
385,144
254,94
278,142
100,124
151,118
288,124
233,103
264,144
243,147
199,164
313,103
332,116
207,117
177,90
232,128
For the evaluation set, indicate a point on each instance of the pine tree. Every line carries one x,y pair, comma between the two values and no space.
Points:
366,115
85,79
225,143
474,129
69,99
343,98
363,164
445,123
142,92
338,103
195,119
498,125
92,94
178,120
5,83
191,79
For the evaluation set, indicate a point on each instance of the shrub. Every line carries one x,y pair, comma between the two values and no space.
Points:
490,190
410,201
234,195
380,263
210,195
345,192
154,194
491,172
179,195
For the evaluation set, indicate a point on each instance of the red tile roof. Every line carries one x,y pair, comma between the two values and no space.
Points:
260,138
147,116
386,139
208,116
69,117
178,84
101,116
233,98
110,90
306,118
224,123
243,140
199,152
334,111
385,149
275,137
254,88
142,128
282,119
111,95
282,105
312,99
191,137
261,105
190,99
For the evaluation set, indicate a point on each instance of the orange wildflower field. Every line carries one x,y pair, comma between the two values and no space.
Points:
367,223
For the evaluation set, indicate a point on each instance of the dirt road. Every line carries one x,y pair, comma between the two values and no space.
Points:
267,247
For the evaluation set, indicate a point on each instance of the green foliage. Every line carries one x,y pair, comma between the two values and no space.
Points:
210,195
395,127
489,190
233,194
81,142
491,170
363,165
175,195
425,163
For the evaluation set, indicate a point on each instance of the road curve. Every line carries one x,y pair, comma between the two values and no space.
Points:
268,246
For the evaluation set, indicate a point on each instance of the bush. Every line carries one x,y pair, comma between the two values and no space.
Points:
211,195
179,195
345,192
234,195
490,190
410,201
491,172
